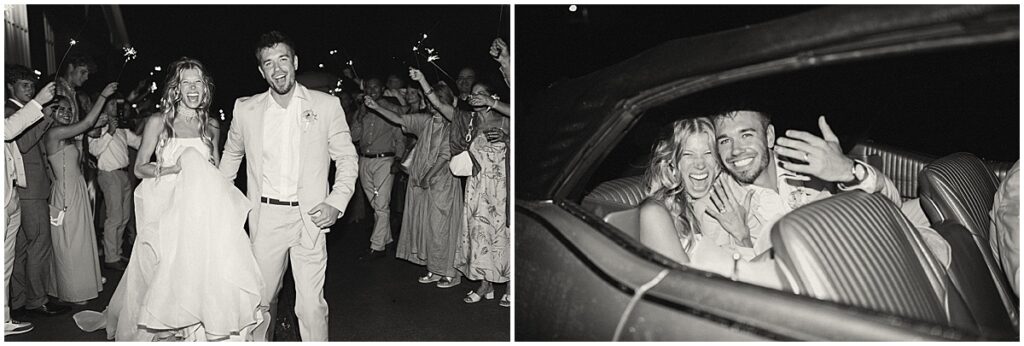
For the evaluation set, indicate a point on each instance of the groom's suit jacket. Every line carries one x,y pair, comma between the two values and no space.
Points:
324,137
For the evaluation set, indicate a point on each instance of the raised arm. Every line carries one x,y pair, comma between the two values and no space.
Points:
499,51
492,102
34,135
448,111
386,113
20,120
64,132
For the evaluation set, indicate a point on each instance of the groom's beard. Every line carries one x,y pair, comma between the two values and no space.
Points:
281,90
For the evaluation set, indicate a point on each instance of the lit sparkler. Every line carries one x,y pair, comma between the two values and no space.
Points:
129,54
60,66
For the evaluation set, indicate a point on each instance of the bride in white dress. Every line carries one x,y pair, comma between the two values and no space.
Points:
192,275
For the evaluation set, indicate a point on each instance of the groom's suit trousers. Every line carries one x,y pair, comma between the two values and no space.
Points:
277,242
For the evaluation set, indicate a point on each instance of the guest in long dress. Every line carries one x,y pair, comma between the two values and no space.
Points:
433,208
75,275
484,249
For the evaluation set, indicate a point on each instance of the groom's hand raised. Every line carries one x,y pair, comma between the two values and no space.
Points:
324,215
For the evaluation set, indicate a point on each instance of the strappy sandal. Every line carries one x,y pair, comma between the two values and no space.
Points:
472,297
430,277
449,282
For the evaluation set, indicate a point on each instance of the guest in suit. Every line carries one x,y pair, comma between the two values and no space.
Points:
33,252
289,135
14,124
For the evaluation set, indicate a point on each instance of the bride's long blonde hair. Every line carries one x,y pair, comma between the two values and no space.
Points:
172,96
664,177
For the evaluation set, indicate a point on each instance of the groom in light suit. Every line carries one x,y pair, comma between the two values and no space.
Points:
289,134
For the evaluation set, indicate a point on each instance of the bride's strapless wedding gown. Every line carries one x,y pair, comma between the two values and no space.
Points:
192,272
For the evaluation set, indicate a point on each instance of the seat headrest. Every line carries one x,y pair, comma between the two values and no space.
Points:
959,187
858,249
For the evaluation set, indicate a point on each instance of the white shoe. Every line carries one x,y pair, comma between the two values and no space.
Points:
13,327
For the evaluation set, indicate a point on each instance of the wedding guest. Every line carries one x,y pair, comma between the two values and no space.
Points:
484,249
379,142
483,134
417,102
464,83
395,87
111,151
14,124
76,271
33,252
433,210
71,76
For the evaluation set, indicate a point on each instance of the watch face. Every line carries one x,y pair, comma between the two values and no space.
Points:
859,172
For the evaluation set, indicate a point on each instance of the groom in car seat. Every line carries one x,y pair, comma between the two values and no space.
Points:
781,174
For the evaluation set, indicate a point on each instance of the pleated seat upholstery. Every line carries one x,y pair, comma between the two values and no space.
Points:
617,203
970,278
960,188
858,249
615,195
901,166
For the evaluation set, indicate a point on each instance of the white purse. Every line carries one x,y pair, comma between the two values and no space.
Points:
461,165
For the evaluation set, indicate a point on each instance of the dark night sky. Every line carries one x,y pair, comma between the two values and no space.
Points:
559,44
223,37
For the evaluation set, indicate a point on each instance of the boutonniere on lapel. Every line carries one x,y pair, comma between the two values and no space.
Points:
308,118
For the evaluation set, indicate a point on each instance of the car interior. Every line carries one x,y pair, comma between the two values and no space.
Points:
942,125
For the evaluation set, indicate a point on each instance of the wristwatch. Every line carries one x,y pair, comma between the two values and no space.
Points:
859,174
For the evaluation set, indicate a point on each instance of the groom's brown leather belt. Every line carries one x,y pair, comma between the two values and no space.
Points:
377,156
277,202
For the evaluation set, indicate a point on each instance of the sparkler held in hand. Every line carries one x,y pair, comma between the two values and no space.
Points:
60,65
129,54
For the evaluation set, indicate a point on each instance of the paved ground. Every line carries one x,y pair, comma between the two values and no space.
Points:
375,301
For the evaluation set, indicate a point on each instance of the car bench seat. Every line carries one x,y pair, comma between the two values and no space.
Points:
858,249
970,277
899,165
617,203
960,188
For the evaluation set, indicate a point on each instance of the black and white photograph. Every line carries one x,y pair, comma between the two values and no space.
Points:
767,173
277,172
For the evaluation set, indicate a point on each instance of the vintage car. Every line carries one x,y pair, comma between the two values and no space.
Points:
928,95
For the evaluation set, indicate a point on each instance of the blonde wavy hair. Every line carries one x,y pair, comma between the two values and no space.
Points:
172,96
664,178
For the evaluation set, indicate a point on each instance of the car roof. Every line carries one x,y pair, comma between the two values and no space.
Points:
569,127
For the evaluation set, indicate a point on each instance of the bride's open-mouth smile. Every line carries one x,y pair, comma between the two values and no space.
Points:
192,97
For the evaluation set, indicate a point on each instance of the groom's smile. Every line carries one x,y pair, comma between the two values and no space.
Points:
278,65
